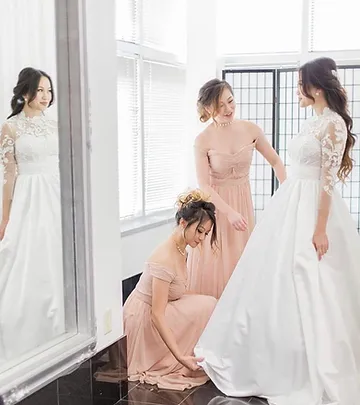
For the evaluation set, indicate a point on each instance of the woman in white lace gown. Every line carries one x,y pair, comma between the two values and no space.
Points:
31,272
287,327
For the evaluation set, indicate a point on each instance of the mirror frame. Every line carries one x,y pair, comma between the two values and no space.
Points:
70,350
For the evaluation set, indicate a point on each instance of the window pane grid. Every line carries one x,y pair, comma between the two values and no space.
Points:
254,95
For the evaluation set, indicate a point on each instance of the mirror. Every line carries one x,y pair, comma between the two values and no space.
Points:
32,301
46,298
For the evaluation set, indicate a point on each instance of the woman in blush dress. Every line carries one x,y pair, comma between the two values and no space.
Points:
223,155
162,321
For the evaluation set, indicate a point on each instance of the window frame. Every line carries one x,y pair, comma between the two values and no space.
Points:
134,224
291,59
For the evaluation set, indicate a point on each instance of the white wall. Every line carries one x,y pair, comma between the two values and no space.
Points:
104,165
136,248
201,67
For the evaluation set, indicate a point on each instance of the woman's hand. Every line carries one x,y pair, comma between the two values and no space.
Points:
237,221
321,243
190,362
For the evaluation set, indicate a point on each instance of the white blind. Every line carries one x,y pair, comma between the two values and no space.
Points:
127,20
164,137
334,25
258,26
130,188
164,25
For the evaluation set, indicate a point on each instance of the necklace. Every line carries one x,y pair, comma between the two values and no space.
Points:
182,252
225,124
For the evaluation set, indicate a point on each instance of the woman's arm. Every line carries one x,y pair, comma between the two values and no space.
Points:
332,149
269,153
7,155
160,293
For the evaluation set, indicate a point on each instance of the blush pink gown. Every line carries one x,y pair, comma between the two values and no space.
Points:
210,269
149,359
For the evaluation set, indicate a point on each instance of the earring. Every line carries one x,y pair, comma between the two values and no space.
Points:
317,93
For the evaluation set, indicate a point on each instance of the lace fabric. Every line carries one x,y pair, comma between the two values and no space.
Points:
321,143
25,139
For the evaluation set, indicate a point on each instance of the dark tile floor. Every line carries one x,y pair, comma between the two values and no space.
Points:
140,394
81,388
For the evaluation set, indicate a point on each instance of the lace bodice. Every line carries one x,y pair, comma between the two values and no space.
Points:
27,146
320,145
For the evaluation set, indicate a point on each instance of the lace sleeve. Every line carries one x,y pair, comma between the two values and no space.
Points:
7,155
332,149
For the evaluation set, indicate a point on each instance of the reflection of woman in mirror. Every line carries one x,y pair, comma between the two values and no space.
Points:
31,274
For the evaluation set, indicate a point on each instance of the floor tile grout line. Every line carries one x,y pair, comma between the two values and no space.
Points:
190,393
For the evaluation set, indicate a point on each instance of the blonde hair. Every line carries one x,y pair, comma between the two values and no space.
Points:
191,196
209,97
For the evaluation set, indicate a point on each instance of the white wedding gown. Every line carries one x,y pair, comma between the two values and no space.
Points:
287,327
31,271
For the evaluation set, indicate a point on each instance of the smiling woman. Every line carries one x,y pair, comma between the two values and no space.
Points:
31,195
223,155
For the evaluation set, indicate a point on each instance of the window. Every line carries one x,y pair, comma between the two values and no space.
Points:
151,103
129,139
163,135
164,25
334,25
259,26
127,20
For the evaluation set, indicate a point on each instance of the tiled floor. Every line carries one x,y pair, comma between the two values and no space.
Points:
140,394
80,388
87,386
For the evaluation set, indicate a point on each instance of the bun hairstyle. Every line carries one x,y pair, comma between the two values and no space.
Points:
209,98
322,74
195,207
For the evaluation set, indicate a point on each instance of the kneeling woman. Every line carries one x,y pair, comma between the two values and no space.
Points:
162,320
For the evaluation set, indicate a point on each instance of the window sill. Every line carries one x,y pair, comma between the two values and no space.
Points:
135,225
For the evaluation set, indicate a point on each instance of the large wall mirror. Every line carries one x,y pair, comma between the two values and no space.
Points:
46,306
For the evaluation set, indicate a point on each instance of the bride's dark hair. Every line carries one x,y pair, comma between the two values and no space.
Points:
27,85
322,74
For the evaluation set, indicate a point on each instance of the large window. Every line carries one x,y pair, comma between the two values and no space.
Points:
258,26
334,25
286,33
151,45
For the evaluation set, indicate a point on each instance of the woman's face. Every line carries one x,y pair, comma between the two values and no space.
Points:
43,95
226,110
303,100
196,233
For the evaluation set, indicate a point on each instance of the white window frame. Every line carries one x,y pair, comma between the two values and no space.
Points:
143,54
347,57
